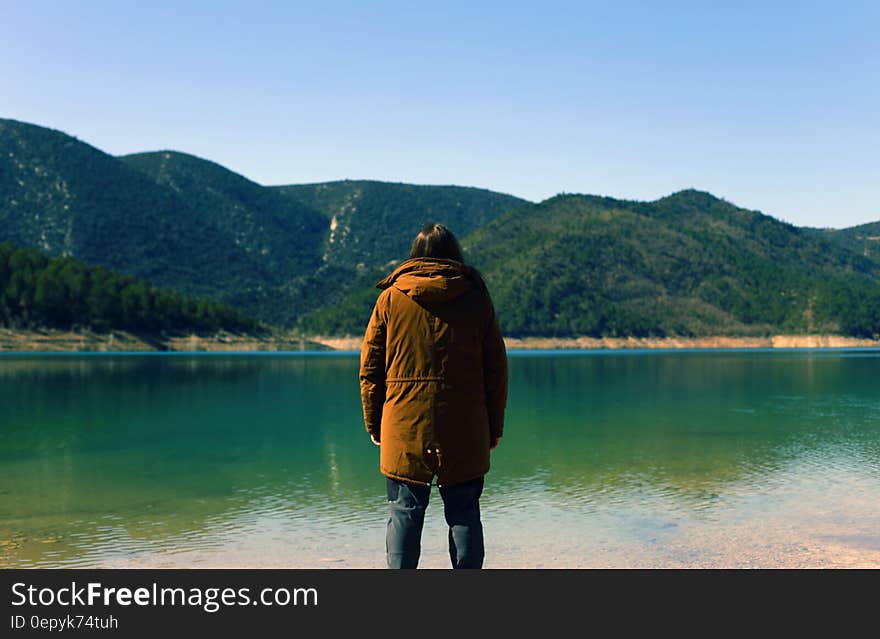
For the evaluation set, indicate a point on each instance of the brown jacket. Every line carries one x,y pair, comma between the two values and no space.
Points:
433,373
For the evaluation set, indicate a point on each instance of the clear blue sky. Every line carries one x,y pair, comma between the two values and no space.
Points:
772,105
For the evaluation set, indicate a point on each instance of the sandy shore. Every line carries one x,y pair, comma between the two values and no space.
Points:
51,340
613,343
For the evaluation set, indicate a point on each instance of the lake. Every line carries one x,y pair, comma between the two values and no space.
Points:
609,459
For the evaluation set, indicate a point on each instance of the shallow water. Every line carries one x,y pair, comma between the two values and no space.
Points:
609,459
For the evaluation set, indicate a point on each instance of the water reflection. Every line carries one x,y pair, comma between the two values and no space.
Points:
115,458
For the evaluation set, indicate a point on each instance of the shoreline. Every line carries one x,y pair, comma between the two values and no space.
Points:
647,343
55,340
66,341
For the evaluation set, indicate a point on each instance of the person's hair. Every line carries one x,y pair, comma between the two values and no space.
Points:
435,240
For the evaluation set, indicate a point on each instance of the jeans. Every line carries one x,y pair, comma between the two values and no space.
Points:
461,505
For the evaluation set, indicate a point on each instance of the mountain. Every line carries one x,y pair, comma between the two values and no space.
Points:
371,226
687,264
308,255
281,238
188,223
284,235
68,198
314,242
373,223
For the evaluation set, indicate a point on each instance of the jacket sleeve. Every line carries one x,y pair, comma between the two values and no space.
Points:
495,374
372,370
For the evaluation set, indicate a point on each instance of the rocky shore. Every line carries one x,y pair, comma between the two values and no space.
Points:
50,340
613,343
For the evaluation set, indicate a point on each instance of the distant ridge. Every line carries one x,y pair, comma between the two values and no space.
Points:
689,264
369,219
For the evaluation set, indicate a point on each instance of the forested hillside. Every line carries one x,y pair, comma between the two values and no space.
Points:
37,291
307,256
283,236
191,224
67,198
373,223
688,264
863,239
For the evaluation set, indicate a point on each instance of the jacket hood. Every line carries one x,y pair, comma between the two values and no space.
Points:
432,279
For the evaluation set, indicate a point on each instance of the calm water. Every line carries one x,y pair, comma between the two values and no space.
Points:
609,459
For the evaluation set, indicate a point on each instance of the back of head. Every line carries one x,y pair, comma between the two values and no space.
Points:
435,240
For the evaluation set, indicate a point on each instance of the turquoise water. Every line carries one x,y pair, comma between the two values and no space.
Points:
608,459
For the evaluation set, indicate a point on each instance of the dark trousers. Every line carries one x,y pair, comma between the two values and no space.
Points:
461,505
